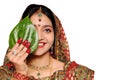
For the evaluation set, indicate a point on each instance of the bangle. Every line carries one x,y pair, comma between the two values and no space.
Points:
19,76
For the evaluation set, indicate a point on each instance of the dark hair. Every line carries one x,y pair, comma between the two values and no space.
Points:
32,8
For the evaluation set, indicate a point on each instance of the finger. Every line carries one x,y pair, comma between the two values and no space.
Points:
10,51
26,46
22,46
17,44
19,53
20,41
24,56
22,52
13,58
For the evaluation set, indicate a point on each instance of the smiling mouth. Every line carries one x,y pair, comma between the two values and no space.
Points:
41,45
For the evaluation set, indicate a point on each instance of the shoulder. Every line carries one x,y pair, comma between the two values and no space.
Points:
84,71
80,71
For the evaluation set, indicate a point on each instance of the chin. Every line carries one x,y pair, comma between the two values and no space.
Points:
38,54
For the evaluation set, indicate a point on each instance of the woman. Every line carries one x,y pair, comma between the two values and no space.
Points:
51,59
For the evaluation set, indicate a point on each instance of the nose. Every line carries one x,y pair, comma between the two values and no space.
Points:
40,35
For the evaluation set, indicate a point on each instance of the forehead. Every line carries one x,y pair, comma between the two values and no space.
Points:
36,18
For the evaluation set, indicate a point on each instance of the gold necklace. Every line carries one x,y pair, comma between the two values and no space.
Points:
38,68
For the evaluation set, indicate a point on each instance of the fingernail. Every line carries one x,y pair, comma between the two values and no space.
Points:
24,43
28,51
27,45
19,41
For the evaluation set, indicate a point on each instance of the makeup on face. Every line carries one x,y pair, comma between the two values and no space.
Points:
41,44
39,15
39,20
45,32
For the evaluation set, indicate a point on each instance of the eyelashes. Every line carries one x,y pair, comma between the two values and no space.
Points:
47,30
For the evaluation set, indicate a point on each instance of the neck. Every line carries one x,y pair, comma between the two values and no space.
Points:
39,60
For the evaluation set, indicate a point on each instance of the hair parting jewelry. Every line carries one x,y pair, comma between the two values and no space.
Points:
40,9
40,14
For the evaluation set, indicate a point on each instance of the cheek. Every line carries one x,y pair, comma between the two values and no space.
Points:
51,38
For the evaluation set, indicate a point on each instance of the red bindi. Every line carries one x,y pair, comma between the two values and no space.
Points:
39,20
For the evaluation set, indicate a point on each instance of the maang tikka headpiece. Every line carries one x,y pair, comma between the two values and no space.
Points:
40,14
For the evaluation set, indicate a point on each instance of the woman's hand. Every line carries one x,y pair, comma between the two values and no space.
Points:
18,54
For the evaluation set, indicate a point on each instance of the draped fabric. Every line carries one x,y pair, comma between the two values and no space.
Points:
72,70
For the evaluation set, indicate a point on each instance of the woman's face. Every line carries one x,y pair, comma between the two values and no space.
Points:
45,31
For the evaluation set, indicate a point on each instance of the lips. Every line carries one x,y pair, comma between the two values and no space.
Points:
41,44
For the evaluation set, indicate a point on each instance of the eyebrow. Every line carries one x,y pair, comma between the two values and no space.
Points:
47,26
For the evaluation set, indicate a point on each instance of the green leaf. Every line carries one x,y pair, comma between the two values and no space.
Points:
25,30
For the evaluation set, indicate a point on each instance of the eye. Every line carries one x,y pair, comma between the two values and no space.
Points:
48,30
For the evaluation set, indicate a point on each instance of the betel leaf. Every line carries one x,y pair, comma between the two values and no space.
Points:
25,30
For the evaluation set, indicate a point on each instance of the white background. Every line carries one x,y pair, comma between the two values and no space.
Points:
92,28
